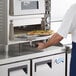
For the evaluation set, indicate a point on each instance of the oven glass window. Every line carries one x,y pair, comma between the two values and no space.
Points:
26,5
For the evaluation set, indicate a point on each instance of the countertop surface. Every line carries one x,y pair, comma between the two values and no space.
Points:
32,53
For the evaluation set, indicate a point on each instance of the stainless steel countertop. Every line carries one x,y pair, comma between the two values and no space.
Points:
10,57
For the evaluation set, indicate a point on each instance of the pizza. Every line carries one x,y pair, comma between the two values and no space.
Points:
40,32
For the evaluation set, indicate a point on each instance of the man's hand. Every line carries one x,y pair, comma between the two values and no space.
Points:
41,45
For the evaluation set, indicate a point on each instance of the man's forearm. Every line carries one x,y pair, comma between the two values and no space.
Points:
53,40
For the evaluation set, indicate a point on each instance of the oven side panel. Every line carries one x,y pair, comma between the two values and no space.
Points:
3,21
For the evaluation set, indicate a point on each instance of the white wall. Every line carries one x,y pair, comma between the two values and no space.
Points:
55,25
59,7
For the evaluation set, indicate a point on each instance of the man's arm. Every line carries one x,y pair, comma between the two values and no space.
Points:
52,41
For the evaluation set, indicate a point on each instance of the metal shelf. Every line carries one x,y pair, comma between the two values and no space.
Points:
19,40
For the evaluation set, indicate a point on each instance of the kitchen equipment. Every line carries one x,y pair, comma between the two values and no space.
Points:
47,14
19,72
27,7
20,19
11,31
49,66
43,24
16,69
49,62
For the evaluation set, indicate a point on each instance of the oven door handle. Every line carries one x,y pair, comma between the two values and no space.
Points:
49,62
